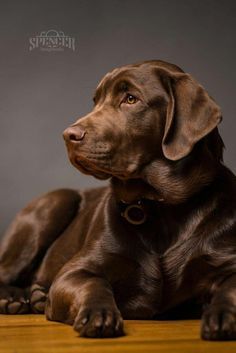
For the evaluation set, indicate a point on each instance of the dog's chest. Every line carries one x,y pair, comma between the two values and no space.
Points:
159,255
139,292
163,264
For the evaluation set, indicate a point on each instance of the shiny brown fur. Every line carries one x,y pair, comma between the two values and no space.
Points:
75,251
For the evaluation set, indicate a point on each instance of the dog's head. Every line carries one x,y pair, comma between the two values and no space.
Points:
142,112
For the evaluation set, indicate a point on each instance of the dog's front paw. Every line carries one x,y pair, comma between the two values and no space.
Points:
219,323
38,297
13,300
99,322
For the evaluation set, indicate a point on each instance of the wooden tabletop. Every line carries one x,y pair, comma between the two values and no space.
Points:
33,334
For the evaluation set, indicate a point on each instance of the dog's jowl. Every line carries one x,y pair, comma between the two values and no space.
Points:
162,233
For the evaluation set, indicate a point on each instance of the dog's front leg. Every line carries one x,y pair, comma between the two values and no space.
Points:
82,299
219,319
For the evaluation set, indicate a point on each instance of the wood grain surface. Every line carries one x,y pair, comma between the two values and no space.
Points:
33,334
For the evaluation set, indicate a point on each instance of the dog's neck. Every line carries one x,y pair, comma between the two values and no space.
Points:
132,190
177,187
168,182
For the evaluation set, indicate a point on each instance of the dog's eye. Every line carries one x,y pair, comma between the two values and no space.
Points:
130,99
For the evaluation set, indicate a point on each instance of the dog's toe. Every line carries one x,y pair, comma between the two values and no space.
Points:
38,297
13,301
99,323
218,324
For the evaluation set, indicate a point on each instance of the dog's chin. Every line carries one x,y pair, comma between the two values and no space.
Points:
98,171
87,168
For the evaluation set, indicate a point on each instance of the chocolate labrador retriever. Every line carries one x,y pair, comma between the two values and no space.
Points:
163,232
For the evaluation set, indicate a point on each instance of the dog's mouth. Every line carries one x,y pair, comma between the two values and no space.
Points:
98,168
102,163
88,168
90,163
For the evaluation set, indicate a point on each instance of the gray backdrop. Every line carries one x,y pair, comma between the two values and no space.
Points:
43,92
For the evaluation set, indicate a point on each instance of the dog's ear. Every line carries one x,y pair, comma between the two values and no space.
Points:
191,115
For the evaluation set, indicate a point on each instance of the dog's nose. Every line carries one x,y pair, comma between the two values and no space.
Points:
74,134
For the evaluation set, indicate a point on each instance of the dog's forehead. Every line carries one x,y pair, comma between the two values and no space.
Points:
135,75
139,73
119,74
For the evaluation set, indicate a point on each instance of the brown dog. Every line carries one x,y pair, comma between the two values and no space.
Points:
163,232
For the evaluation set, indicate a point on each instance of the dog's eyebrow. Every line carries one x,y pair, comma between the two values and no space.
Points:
121,86
124,85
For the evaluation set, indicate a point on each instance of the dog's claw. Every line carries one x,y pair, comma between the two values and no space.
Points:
99,323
